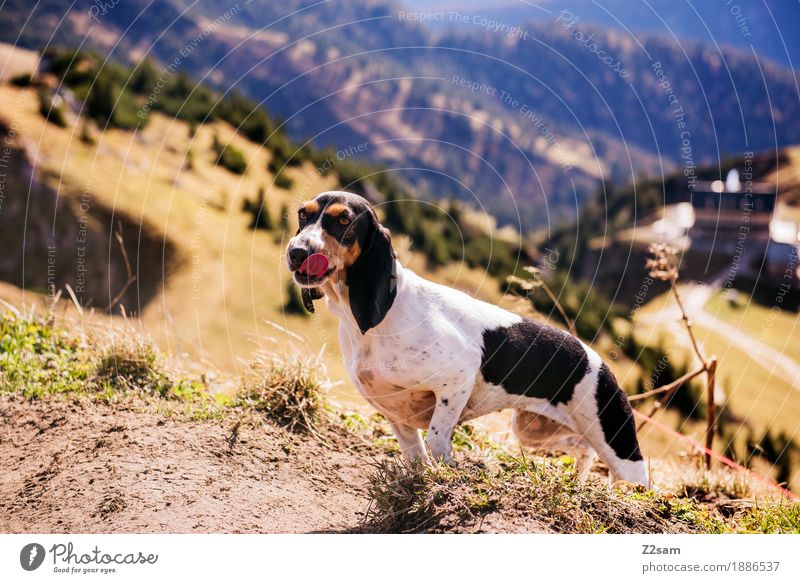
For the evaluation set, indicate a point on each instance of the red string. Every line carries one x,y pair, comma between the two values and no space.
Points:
717,456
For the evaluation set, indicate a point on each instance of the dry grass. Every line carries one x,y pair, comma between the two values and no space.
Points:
540,495
40,358
131,362
690,478
419,498
290,390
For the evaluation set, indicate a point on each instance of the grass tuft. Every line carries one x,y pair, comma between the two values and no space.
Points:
289,390
405,497
37,359
712,485
132,364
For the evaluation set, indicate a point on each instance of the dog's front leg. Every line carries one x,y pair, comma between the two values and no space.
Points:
449,406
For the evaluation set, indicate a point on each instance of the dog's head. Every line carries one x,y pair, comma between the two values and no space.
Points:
340,239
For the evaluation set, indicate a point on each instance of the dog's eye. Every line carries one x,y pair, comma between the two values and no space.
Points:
344,221
302,214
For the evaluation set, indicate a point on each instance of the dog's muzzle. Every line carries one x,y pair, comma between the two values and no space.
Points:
310,269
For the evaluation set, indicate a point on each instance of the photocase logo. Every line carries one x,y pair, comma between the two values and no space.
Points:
31,556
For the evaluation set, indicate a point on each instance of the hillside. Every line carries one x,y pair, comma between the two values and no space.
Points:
158,371
207,283
609,241
346,73
99,432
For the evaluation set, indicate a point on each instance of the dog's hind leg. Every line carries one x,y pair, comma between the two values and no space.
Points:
410,442
540,432
584,459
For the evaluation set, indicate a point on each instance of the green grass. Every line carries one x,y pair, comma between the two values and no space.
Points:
36,359
40,360
769,518
466,437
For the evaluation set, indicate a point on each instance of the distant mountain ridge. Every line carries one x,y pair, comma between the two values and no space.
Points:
554,121
767,25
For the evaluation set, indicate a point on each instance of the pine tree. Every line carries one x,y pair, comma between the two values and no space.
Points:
101,100
144,77
259,210
285,226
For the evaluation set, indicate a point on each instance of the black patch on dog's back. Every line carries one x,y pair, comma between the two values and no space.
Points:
616,416
533,360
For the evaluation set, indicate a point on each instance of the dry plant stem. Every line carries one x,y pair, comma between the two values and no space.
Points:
708,366
673,385
670,390
129,271
51,307
560,309
687,322
712,378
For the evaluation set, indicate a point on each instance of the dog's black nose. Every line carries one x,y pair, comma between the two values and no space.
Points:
296,256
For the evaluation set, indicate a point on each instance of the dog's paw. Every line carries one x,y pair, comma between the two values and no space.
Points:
628,487
445,461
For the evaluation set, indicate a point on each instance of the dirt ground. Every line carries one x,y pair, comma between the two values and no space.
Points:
79,467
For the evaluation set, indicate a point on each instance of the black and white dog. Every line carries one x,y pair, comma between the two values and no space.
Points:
430,357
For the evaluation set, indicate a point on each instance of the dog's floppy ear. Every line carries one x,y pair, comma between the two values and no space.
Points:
372,279
309,294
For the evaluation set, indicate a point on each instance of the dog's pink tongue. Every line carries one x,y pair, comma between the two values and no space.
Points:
315,265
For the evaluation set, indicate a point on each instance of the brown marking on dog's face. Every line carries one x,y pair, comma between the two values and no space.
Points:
311,207
342,255
336,209
352,254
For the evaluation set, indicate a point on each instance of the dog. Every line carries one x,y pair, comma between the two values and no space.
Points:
430,357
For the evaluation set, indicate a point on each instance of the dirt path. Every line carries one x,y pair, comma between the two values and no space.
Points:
695,298
81,468
772,360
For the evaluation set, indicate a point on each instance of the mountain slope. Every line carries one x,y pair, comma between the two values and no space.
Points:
558,119
207,283
765,25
